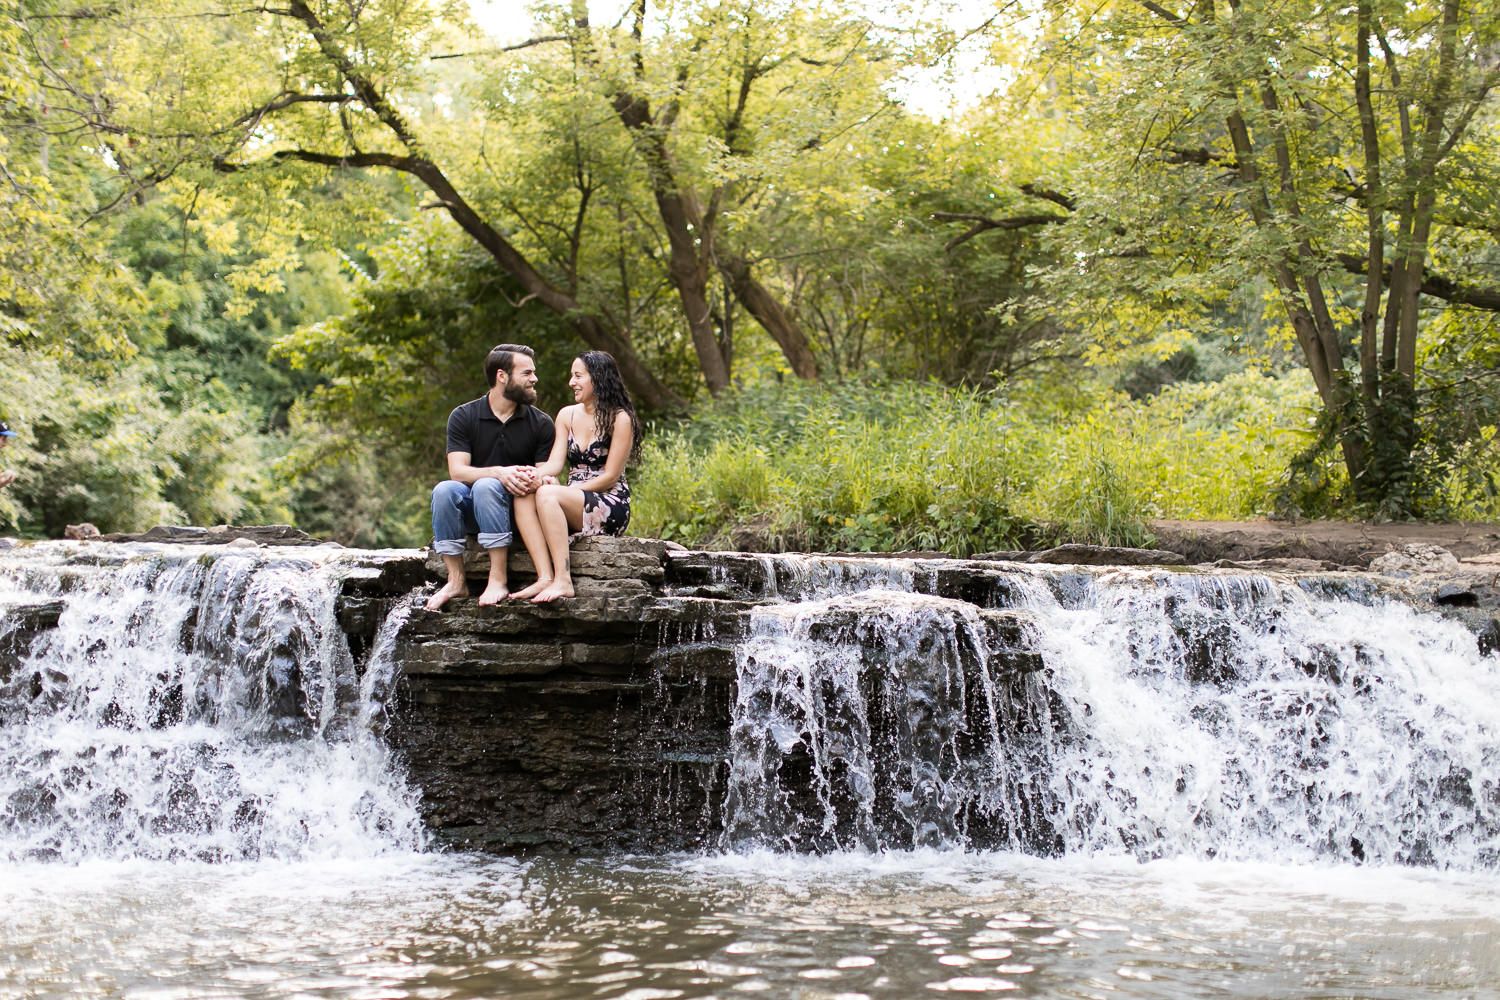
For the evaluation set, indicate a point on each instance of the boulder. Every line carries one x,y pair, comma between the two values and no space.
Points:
1415,558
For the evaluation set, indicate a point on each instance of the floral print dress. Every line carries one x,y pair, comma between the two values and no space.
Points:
603,513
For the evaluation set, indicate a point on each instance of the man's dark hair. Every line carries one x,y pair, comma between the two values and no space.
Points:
503,356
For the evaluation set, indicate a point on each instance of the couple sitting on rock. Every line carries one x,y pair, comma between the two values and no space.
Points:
504,457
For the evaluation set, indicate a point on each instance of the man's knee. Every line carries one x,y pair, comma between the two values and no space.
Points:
448,493
491,490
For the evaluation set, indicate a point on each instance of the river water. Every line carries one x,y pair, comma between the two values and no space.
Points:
195,802
878,925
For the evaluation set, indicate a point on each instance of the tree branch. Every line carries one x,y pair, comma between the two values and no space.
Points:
1047,194
1176,20
408,164
1436,285
529,43
1201,157
983,223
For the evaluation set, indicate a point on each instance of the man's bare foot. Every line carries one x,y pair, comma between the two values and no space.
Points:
494,593
552,592
526,593
449,591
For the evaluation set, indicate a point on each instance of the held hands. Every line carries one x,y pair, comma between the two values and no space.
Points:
520,480
7,477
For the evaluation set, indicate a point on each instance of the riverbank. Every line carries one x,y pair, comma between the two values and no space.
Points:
1352,544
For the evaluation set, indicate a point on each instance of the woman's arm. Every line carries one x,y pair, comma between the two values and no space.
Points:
621,440
557,461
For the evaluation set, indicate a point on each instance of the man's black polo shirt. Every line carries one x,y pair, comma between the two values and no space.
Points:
524,439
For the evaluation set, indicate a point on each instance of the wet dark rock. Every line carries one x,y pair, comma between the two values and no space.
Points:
223,534
21,626
1489,637
595,722
1106,555
1456,595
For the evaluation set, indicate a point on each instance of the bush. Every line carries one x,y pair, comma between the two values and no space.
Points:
110,451
891,466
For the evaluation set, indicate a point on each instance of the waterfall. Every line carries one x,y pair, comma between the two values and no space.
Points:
193,704
1141,713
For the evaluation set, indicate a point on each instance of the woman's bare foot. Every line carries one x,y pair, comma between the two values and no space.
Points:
553,591
494,593
449,591
526,593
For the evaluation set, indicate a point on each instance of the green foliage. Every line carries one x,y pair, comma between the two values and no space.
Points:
110,451
201,332
412,347
140,285
899,465
1282,143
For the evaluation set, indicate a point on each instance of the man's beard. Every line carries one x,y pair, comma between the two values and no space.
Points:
518,393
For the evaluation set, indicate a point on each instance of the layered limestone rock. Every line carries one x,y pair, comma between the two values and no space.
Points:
590,723
603,721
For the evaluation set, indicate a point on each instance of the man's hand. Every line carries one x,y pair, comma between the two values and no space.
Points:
7,477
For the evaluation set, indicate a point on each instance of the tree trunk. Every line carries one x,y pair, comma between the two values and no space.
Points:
684,226
644,386
772,315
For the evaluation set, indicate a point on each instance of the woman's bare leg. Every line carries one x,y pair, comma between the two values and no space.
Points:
560,509
529,527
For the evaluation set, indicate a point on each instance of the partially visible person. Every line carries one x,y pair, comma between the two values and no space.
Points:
596,436
494,445
7,476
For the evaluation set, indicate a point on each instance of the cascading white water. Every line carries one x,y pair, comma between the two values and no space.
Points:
882,710
200,705
794,577
1243,720
1176,715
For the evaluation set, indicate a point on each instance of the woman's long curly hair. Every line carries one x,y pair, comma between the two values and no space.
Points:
610,398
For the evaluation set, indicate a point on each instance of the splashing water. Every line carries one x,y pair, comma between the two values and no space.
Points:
1206,716
202,706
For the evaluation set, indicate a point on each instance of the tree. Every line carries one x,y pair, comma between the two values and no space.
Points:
1351,161
739,50
710,116
321,85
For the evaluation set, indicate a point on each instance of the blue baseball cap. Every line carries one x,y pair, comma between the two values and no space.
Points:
5,430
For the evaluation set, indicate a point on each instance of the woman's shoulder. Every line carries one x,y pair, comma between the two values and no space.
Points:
565,416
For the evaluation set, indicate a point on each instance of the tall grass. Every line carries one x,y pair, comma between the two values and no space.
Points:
905,466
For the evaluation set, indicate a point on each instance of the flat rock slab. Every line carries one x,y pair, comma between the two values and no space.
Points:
221,534
592,557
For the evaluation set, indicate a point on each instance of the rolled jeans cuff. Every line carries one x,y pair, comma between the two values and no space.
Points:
448,546
495,539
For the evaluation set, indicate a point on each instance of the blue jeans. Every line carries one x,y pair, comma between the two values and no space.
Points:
458,510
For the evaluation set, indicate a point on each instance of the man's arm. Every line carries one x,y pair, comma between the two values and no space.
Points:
518,479
515,478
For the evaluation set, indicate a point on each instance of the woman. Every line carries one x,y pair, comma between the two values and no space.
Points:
596,436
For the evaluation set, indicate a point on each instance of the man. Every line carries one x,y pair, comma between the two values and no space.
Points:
495,444
7,476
